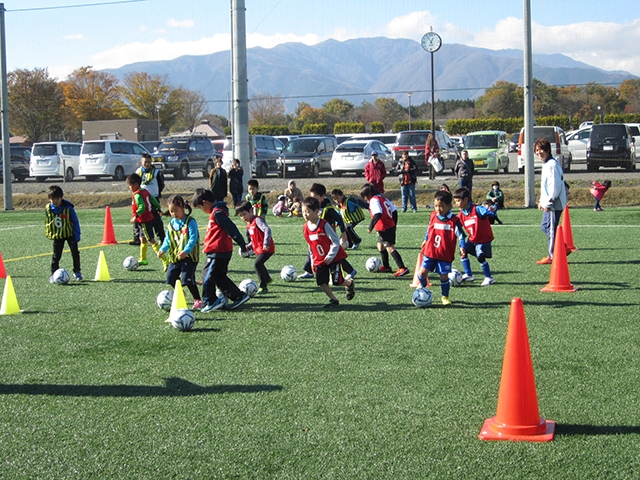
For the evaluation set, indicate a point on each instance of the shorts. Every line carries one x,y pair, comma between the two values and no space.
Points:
438,266
387,237
479,249
184,269
333,271
144,229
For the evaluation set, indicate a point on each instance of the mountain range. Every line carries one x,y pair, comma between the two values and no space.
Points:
365,69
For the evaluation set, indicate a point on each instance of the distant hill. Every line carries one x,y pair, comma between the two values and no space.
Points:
367,68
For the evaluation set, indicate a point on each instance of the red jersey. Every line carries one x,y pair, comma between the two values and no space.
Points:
380,204
258,229
147,214
479,228
216,240
441,239
323,242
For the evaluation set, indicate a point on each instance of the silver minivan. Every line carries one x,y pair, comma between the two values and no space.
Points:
110,158
54,159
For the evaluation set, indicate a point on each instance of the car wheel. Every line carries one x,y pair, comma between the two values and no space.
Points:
69,175
181,172
118,175
262,171
337,173
315,171
208,168
506,167
40,179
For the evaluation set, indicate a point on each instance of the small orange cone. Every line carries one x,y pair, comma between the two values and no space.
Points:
559,280
568,233
518,417
109,236
3,271
9,304
416,283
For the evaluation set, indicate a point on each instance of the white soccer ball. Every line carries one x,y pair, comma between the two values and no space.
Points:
373,264
289,273
249,287
130,263
422,297
455,277
164,299
344,244
61,276
182,319
246,254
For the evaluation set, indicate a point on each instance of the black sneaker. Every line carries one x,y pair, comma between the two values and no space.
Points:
134,243
351,291
332,303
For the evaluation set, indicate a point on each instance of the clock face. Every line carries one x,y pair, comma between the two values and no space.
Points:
431,42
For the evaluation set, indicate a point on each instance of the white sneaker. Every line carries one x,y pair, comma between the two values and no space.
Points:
468,278
305,275
487,281
351,275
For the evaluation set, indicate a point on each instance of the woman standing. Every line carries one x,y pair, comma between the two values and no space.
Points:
431,149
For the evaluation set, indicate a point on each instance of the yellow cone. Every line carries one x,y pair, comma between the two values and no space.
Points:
9,300
102,272
178,298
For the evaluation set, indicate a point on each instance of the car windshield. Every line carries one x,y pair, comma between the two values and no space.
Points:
351,147
301,146
89,148
603,132
45,149
481,141
171,145
413,138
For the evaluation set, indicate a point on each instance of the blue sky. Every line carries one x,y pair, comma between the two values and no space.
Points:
116,34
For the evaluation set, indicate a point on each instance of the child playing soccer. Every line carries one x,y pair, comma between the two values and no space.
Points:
439,245
181,247
325,251
598,190
351,209
384,218
261,242
258,200
475,219
218,247
62,225
142,205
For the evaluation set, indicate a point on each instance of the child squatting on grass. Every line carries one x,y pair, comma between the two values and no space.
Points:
62,225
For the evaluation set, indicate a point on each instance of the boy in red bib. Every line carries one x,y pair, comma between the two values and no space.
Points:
261,242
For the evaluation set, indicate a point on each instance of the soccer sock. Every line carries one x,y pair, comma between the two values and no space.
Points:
445,287
398,259
422,280
194,291
155,247
385,258
486,269
143,250
466,265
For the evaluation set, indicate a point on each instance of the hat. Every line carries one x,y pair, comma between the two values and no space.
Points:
374,153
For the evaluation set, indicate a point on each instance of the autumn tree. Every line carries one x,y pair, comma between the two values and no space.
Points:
337,110
630,94
265,109
147,96
503,99
36,104
389,111
188,108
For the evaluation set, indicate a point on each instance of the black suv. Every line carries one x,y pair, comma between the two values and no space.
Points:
414,141
184,154
20,158
307,156
611,145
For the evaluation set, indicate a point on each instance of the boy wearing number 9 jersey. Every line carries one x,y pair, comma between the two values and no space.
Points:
325,251
439,245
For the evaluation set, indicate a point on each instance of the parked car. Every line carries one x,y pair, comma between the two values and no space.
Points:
55,160
488,150
285,138
414,141
559,147
307,156
352,156
585,124
109,158
183,154
19,163
458,141
389,139
152,145
343,137
513,143
577,142
610,145
634,128
267,152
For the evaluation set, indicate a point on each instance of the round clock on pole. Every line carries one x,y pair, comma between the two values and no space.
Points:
431,42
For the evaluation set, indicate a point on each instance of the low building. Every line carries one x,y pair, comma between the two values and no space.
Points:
135,130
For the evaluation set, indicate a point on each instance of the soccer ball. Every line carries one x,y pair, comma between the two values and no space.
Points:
455,277
344,244
164,299
249,287
289,273
130,263
373,264
247,254
422,297
182,319
61,276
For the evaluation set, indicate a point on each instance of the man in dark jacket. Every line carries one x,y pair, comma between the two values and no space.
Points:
464,171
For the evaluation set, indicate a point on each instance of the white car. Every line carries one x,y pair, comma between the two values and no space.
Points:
634,128
578,140
352,156
559,148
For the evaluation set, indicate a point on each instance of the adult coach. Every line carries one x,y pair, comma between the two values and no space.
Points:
553,195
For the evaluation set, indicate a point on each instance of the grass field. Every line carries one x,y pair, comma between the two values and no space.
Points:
94,383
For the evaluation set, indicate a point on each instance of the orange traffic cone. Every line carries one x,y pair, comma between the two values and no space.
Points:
3,271
568,233
559,280
109,236
518,417
415,283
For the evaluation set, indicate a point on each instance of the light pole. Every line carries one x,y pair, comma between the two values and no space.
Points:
158,113
600,112
409,95
432,42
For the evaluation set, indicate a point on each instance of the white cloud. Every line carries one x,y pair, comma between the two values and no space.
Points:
181,23
75,36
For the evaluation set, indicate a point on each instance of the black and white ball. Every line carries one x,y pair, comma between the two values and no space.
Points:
373,264
455,277
164,299
422,297
182,319
249,287
61,277
130,263
289,273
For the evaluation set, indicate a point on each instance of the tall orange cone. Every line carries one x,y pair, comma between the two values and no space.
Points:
9,300
568,233
109,236
3,271
518,417
416,283
559,280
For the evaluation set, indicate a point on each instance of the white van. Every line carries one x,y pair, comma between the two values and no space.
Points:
54,159
110,158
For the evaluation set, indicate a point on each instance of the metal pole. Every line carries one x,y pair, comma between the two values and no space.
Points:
240,89
410,93
529,179
433,121
4,105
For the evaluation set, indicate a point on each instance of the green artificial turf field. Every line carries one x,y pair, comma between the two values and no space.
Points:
95,384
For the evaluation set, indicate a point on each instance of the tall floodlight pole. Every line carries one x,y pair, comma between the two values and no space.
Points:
409,94
4,106
432,42
240,98
529,185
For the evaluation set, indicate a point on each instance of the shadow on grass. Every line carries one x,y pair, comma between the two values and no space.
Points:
570,429
175,387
